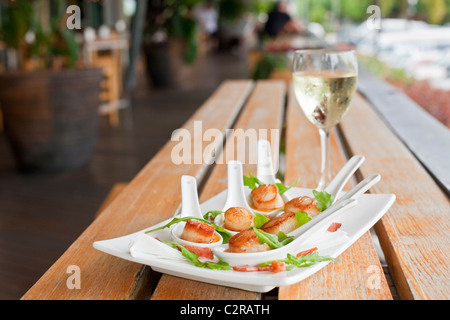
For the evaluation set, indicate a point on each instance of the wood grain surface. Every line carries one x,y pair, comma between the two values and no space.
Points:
414,233
350,278
264,110
140,205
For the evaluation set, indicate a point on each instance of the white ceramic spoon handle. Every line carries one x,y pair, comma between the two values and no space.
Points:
189,198
334,209
335,186
361,187
235,190
265,171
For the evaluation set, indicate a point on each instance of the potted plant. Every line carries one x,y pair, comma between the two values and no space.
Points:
49,104
170,39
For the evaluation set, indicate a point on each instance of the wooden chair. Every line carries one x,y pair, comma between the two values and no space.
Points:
107,54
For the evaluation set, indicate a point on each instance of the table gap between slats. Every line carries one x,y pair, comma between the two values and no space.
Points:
112,278
414,232
264,110
347,279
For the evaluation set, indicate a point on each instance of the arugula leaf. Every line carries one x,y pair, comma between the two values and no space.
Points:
282,188
221,265
309,259
302,217
188,254
283,238
193,257
175,221
273,241
224,233
260,220
252,182
323,199
212,214
302,261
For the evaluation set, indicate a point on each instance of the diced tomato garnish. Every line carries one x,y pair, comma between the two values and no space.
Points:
334,226
274,267
278,266
202,252
246,268
306,252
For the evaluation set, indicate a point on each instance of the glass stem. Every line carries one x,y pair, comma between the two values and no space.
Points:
325,169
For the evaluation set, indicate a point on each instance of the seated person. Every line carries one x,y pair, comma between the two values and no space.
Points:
280,21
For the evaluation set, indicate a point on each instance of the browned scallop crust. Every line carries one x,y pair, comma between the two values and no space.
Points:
245,242
238,219
197,231
264,193
285,222
266,197
306,204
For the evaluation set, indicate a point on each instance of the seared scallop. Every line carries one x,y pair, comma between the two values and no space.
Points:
305,204
245,242
197,231
237,219
267,197
285,222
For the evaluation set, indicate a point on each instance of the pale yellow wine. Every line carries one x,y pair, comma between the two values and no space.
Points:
324,96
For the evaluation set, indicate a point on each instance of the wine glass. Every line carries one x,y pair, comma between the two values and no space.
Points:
324,83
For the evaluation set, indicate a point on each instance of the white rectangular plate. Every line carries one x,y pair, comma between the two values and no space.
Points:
355,222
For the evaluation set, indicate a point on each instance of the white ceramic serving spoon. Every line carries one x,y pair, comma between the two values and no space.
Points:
235,188
333,209
235,192
266,174
340,179
255,258
177,231
190,207
264,167
361,187
344,201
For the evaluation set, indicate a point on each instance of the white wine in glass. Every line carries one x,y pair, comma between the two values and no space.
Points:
324,84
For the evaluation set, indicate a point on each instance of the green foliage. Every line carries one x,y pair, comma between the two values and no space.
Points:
267,64
373,64
231,9
434,11
175,17
185,28
260,6
21,16
355,10
16,18
318,11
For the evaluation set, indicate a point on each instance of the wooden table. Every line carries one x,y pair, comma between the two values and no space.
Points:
413,233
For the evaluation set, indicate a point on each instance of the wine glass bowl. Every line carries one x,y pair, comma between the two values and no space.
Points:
325,81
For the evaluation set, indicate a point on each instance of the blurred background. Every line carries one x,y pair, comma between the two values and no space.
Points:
90,90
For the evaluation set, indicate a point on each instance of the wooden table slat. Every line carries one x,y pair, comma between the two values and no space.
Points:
351,278
414,233
140,205
264,110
